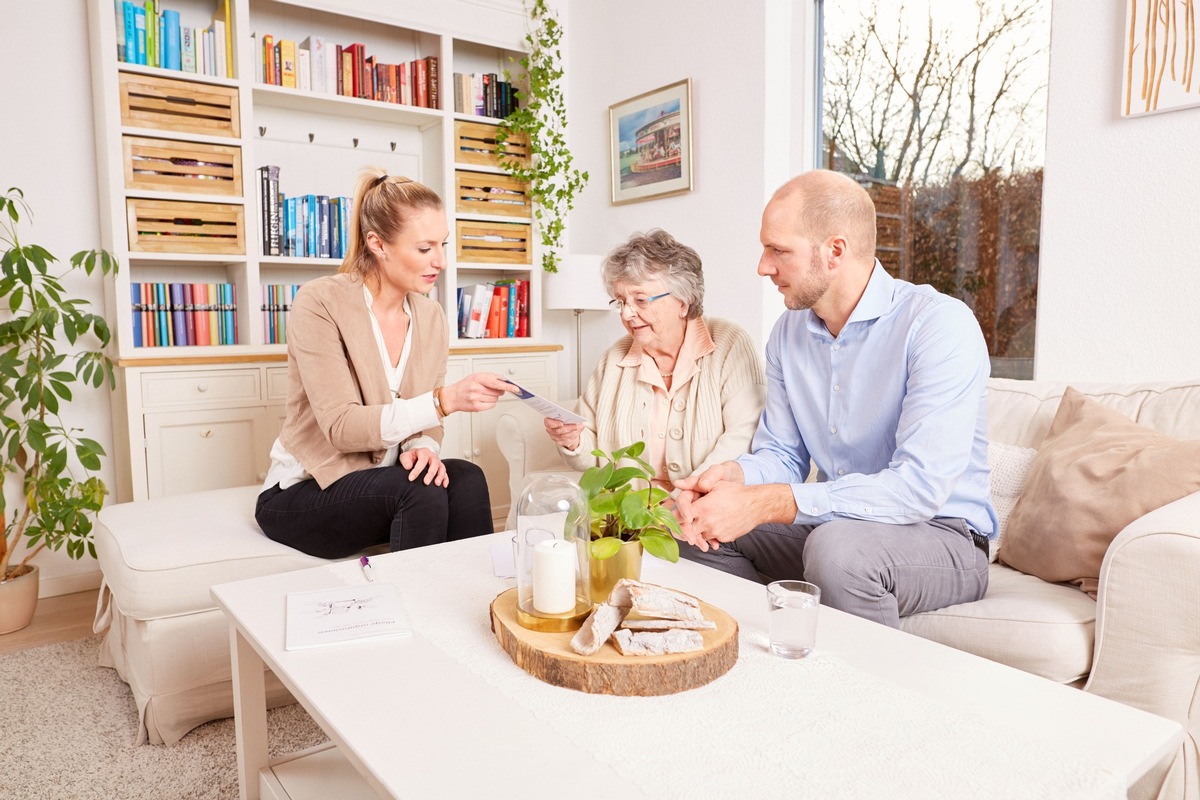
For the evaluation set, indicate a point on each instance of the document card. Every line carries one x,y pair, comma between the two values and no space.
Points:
345,613
547,408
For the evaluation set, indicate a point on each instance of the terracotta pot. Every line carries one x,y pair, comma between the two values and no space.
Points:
18,600
627,563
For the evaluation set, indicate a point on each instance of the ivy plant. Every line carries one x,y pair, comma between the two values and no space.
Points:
621,512
542,119
55,466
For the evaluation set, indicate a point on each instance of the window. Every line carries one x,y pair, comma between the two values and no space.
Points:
938,107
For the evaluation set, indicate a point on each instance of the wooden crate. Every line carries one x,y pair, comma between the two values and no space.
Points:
175,226
475,143
494,242
172,166
181,106
489,193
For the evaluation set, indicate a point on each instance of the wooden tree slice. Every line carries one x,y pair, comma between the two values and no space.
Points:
549,656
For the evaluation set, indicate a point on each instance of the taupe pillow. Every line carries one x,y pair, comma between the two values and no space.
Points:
1096,472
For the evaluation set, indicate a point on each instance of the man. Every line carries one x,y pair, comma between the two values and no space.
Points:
881,384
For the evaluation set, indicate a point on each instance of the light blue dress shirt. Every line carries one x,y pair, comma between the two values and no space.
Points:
893,411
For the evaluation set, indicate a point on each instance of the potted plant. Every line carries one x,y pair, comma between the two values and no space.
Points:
47,467
625,518
553,181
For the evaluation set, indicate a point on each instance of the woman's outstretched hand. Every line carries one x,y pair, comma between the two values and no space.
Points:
476,392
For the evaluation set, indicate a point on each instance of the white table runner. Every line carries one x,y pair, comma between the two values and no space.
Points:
856,736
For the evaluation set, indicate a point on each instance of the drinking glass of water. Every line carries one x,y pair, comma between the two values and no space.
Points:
793,617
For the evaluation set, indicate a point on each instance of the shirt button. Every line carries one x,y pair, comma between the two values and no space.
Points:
833,430
837,388
677,433
813,511
680,405
674,466
837,347
661,435
841,472
664,401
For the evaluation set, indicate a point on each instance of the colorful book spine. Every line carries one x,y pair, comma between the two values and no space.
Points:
187,38
135,292
200,304
172,57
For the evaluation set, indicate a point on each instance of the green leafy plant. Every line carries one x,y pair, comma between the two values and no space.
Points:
553,181
623,513
37,448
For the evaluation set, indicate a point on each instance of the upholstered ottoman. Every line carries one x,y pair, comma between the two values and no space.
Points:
163,633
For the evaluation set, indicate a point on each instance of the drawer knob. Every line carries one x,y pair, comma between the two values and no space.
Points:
201,387
206,435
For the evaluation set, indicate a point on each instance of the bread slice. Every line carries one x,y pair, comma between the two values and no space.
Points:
596,629
657,643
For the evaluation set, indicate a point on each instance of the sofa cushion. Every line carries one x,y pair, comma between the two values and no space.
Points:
1008,465
1047,629
1096,472
160,557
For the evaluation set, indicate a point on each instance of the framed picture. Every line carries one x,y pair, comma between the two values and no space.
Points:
650,140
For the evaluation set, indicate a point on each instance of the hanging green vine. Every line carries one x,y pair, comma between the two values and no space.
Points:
553,181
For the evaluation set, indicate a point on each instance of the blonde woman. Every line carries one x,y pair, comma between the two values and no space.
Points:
357,462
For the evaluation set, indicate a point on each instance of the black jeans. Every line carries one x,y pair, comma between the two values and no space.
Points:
372,506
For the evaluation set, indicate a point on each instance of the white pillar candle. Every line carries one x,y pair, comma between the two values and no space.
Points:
553,576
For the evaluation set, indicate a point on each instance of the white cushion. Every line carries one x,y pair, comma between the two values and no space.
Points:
1009,465
160,557
1045,628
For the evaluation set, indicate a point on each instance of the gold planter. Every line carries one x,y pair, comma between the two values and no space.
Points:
627,563
18,600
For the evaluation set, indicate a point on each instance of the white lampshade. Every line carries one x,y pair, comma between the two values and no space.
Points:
576,285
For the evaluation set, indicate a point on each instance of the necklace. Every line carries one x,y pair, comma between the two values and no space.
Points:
666,374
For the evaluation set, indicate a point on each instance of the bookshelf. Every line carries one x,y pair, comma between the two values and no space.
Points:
178,155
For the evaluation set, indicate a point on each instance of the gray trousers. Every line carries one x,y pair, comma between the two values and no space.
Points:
874,570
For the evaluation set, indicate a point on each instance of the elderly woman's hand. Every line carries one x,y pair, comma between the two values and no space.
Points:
564,434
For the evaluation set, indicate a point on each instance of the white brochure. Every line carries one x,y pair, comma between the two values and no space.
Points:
547,408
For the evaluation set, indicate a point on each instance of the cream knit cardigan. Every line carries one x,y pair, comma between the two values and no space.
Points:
712,419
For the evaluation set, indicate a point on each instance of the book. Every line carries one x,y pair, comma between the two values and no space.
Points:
135,291
431,77
200,301
219,54
172,54
499,298
317,71
189,314
344,614
287,63
187,38
303,69
481,303
268,59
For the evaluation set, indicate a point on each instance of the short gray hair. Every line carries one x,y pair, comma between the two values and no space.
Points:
657,255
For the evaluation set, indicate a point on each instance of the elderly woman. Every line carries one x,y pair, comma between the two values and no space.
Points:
690,387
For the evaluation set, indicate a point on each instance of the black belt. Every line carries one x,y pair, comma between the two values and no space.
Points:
981,542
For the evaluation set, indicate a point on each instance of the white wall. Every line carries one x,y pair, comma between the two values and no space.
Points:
1119,289
618,49
48,150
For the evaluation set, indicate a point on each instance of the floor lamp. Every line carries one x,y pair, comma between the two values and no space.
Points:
577,286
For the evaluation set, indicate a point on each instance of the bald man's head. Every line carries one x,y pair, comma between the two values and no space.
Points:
828,204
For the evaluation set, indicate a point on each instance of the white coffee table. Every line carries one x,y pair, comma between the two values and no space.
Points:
445,713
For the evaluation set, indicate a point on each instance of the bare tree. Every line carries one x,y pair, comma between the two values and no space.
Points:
936,100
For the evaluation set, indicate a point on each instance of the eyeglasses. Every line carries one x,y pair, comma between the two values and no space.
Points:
637,303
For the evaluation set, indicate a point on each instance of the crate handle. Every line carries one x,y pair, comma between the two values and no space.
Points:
187,101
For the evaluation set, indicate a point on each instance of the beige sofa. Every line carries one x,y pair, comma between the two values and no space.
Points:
1138,642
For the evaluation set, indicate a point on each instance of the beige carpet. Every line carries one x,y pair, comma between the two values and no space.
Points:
67,728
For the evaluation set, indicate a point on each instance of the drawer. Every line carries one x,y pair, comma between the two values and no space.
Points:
171,166
494,242
179,106
175,226
277,383
522,370
489,193
163,390
475,143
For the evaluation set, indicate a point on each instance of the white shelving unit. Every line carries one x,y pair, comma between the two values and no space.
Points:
228,397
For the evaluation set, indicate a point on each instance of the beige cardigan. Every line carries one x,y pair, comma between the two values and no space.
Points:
712,420
337,388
